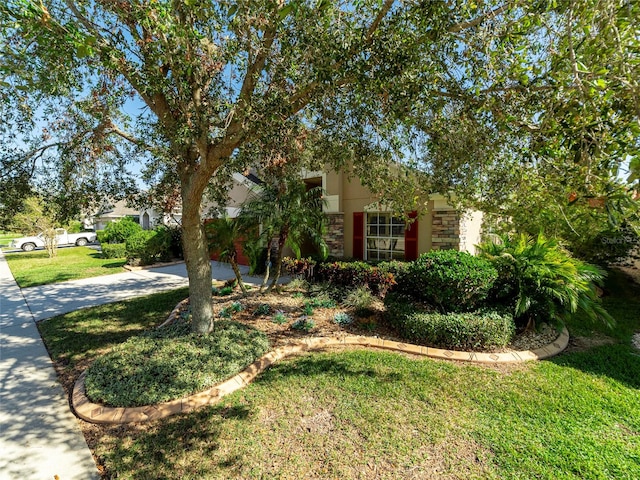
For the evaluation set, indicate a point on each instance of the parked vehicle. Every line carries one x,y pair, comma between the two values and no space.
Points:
62,238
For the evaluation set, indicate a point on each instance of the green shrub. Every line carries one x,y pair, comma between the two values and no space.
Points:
307,309
355,274
299,267
175,243
542,282
119,231
160,244
613,245
149,246
172,362
262,309
114,250
451,280
479,330
395,267
136,247
321,301
225,291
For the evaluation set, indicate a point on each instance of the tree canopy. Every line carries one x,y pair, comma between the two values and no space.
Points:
488,100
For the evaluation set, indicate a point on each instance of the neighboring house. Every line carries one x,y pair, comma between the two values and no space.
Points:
240,189
112,212
360,228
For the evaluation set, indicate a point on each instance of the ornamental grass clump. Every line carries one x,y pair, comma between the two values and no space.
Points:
171,362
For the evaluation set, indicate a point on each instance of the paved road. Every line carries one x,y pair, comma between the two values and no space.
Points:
39,436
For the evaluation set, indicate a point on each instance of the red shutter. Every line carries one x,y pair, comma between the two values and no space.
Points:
358,235
411,239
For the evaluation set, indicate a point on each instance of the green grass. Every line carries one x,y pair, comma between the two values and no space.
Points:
171,362
84,334
6,237
36,268
370,414
365,414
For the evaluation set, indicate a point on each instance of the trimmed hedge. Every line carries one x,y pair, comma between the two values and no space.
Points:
451,280
479,330
114,250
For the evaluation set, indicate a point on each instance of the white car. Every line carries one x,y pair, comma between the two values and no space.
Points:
62,238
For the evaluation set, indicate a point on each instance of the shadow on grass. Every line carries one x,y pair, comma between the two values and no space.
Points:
316,365
160,452
617,362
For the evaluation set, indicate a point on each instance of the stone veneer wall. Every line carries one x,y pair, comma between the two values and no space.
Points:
445,225
335,234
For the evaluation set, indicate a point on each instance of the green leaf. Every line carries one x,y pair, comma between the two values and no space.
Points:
286,10
601,83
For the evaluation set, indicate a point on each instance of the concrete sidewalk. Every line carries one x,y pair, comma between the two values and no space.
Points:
39,436
50,300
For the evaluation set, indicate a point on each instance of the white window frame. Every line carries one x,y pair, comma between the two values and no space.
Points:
387,236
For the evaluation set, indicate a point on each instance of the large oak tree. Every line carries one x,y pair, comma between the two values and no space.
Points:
473,90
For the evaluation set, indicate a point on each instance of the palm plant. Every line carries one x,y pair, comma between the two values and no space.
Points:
291,214
222,235
542,281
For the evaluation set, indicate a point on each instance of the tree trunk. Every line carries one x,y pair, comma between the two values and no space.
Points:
236,271
267,271
196,256
281,241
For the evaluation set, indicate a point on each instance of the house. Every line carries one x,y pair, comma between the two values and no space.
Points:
113,211
171,215
360,228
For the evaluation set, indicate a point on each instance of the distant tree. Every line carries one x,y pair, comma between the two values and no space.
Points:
33,219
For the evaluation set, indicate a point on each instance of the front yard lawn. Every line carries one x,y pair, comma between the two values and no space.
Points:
36,268
6,237
370,414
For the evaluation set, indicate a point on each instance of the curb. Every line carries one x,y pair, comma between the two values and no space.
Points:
95,413
153,265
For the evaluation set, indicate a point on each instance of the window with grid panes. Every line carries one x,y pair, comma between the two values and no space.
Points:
384,237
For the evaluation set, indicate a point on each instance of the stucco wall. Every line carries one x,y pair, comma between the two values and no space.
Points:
355,197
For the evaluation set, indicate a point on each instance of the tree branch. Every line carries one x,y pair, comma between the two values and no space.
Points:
298,100
458,27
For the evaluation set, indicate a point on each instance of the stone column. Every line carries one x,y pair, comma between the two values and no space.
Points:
335,234
445,228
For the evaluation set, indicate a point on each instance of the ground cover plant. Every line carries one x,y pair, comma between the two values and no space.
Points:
171,362
364,414
37,268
